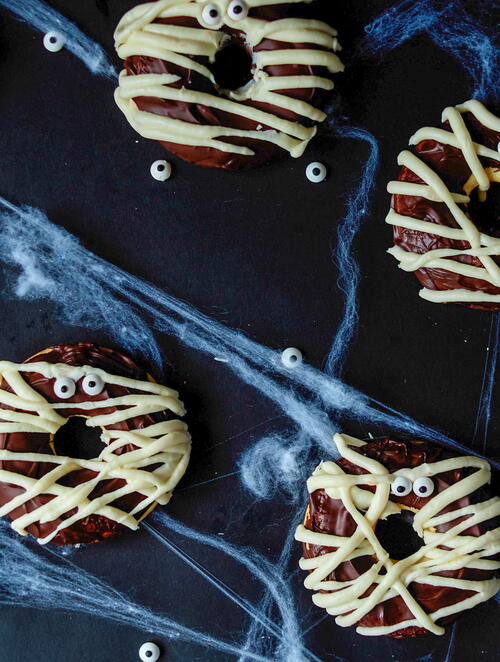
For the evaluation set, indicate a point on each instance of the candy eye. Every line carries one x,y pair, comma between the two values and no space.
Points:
401,486
237,10
149,652
211,14
53,41
64,388
423,487
92,384
161,170
316,172
291,357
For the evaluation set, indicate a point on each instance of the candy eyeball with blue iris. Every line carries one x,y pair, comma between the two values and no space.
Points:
237,10
401,486
423,487
149,652
64,388
92,384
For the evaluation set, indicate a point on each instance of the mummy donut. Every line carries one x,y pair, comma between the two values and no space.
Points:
225,84
387,589
67,500
445,208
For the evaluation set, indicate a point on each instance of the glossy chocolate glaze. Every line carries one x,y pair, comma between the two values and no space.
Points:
448,162
326,515
95,527
204,115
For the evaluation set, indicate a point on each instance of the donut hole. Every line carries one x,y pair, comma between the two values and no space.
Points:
232,68
397,535
486,213
75,439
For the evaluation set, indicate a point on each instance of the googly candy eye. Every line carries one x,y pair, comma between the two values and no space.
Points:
237,10
291,357
149,652
423,487
401,486
316,172
53,41
161,170
64,388
211,14
92,384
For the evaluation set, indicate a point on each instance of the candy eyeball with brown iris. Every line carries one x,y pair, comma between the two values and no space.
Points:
64,388
237,10
423,487
401,486
211,15
92,384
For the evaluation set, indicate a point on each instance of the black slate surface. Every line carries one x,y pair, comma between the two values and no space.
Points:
252,250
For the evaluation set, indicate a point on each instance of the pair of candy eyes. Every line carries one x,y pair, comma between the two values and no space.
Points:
65,387
422,487
237,10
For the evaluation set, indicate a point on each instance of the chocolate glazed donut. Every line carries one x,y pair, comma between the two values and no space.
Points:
464,156
258,119
72,380
327,515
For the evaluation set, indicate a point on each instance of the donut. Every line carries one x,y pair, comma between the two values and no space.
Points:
444,208
183,59
354,505
67,500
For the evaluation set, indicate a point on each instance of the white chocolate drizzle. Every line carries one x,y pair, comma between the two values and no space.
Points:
166,444
137,34
482,246
392,578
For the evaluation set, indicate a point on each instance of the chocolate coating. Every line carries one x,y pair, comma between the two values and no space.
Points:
449,163
327,515
195,113
93,528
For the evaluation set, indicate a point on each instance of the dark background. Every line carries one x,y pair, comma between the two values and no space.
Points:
252,250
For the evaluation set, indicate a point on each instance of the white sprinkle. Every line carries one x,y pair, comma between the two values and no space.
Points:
316,172
221,359
149,652
291,357
54,41
161,170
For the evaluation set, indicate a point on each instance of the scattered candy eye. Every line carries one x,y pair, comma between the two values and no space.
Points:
149,652
291,357
237,10
64,388
53,41
401,486
92,384
423,487
211,14
316,172
161,170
